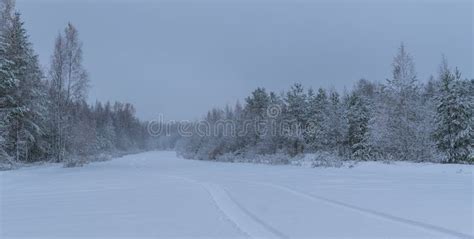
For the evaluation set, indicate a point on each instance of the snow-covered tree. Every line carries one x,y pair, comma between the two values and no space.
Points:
273,141
7,102
26,134
255,111
296,118
8,83
358,116
42,120
454,133
337,126
398,128
318,112
68,84
7,8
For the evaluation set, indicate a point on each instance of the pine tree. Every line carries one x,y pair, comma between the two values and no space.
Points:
26,134
7,102
272,141
296,101
8,83
255,112
317,137
296,119
454,133
358,131
7,8
336,123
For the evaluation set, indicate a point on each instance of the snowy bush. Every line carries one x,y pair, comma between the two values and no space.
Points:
6,162
229,157
74,162
322,159
6,166
102,157
273,159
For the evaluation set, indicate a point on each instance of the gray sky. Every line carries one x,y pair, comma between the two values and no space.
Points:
180,58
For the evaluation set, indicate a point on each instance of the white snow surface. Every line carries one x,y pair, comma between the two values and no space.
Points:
158,195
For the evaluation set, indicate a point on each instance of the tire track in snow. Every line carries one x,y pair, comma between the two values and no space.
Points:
214,202
243,219
385,216
242,215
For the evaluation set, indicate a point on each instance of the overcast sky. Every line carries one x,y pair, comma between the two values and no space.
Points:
180,58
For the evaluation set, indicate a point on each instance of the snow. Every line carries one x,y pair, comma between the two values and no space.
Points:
157,194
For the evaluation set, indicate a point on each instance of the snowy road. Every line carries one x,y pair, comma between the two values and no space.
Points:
156,194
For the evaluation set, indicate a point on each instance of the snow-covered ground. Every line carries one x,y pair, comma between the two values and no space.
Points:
156,194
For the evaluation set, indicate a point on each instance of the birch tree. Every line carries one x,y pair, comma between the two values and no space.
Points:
68,84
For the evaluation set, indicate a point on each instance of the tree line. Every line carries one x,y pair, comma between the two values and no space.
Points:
44,115
399,119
